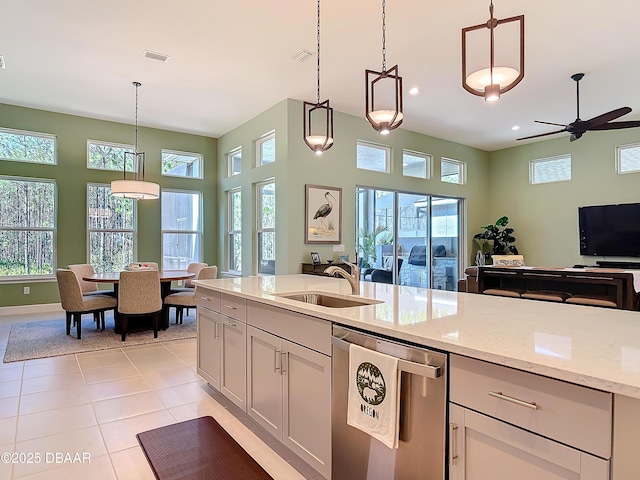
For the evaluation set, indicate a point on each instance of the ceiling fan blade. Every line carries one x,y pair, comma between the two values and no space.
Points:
551,123
606,117
616,125
542,134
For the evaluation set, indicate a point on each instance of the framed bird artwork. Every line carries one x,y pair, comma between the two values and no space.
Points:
323,214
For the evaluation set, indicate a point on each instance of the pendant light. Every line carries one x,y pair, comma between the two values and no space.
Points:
136,189
322,140
381,119
492,81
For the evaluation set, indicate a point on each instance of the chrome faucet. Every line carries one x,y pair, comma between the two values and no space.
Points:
353,278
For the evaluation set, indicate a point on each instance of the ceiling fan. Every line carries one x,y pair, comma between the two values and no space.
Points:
578,127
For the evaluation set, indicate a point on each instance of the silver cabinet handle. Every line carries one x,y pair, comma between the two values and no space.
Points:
522,403
216,335
231,307
206,299
231,324
453,439
284,362
277,361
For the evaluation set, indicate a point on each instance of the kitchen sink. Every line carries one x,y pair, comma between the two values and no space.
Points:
328,300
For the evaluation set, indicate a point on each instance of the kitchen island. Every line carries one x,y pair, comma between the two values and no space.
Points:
585,346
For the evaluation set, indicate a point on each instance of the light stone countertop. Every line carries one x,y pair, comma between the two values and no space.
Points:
590,346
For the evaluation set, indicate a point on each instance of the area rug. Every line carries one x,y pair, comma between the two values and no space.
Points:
198,449
29,340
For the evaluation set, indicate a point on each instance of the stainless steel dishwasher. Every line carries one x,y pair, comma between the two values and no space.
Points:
421,451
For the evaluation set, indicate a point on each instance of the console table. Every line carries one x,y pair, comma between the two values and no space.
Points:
617,286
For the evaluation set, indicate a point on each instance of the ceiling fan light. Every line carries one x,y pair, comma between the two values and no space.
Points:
492,93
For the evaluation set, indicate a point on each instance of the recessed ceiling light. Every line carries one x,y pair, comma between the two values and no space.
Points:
515,127
156,56
414,91
302,56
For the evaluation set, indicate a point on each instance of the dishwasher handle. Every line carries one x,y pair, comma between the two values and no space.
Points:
429,371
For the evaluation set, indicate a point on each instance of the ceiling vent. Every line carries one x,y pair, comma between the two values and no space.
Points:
1,61
302,56
156,56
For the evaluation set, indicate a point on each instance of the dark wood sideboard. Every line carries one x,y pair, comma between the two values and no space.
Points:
318,269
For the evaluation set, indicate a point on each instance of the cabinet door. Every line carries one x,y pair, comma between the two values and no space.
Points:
233,376
264,380
482,447
307,405
208,355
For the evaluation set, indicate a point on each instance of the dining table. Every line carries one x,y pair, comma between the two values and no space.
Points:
166,277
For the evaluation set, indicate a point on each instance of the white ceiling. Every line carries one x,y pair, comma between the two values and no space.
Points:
232,60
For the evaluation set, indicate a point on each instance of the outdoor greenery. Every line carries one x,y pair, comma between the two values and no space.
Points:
27,148
105,156
369,240
498,237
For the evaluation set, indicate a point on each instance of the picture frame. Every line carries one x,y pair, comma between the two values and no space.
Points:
343,257
323,215
315,258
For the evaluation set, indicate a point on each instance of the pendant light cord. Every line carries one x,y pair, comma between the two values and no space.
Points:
384,37
318,56
135,143
491,21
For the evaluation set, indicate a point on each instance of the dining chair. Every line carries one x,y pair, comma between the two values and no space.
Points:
193,267
139,296
187,298
88,288
75,304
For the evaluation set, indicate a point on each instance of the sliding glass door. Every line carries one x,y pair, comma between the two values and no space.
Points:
408,238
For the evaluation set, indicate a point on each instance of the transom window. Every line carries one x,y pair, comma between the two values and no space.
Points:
182,164
111,225
234,198
266,193
27,227
628,158
234,162
552,169
373,157
22,146
453,171
181,229
109,156
266,149
416,164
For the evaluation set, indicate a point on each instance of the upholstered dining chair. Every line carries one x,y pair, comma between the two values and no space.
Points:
139,296
88,288
187,299
193,267
75,304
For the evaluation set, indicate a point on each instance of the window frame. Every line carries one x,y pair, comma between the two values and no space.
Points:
198,232
533,163
128,148
259,228
230,155
27,133
259,142
54,230
231,231
462,173
134,230
378,146
619,150
428,158
199,159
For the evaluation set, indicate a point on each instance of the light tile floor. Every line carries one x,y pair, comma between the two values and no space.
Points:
93,404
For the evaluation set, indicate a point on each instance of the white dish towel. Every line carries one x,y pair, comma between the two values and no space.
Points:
374,394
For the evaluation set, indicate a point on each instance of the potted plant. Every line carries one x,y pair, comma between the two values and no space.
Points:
368,241
499,237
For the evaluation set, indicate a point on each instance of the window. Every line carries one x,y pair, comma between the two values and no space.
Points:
266,149
452,171
181,229
234,200
27,146
108,156
628,158
27,226
553,169
373,157
111,226
266,227
234,161
181,164
415,164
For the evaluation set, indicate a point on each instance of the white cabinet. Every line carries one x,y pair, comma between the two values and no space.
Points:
505,423
288,384
221,355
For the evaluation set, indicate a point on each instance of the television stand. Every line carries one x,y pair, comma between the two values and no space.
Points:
614,264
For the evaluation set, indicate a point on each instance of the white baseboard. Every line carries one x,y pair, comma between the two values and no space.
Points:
29,309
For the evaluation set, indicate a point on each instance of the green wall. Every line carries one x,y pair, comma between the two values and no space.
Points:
297,166
545,216
72,176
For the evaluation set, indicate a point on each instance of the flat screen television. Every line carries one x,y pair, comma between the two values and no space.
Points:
610,230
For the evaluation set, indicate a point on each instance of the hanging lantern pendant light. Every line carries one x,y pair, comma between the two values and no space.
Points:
319,143
136,189
383,120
